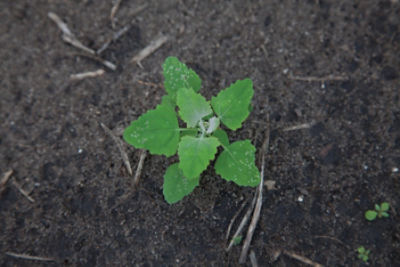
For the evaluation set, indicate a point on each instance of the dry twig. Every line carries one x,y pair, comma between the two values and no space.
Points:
70,38
115,37
117,141
242,223
106,63
150,84
124,197
61,24
257,209
299,127
139,168
114,10
121,32
22,191
5,179
318,79
75,42
148,50
253,259
234,219
89,74
28,257
301,258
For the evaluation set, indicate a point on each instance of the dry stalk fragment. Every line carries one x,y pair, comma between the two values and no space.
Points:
148,50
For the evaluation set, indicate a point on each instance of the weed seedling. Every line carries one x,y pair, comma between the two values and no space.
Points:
158,131
380,211
237,240
363,254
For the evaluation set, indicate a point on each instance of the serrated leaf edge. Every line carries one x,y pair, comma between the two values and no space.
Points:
213,158
237,162
220,116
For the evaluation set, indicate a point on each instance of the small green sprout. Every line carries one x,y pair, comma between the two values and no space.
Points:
363,253
237,240
158,131
380,211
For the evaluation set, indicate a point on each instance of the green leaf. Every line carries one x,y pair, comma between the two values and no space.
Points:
194,80
385,206
176,185
370,215
385,214
213,124
192,106
222,137
167,100
190,132
206,118
364,258
195,154
363,253
237,163
237,240
377,207
157,130
177,75
232,104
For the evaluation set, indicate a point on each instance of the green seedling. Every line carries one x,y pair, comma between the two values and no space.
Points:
237,240
363,253
159,132
380,211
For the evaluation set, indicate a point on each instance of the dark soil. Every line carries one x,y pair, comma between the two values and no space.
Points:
341,166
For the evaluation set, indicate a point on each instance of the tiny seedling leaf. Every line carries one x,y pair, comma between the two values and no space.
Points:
195,154
377,207
370,215
177,75
176,185
156,130
385,214
363,253
222,137
232,104
237,163
213,124
192,106
237,240
385,206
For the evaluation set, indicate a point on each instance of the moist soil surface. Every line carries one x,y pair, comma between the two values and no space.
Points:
330,68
